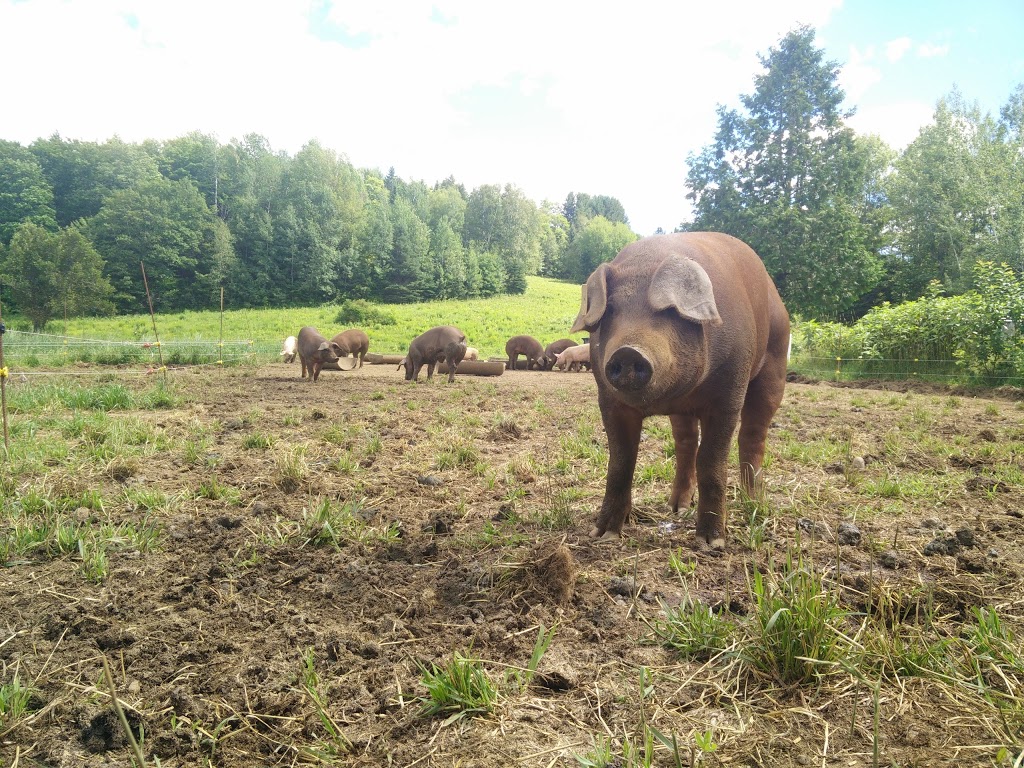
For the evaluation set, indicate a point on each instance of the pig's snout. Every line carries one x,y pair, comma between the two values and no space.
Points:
629,369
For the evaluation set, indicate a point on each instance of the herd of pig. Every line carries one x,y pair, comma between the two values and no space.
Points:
687,325
441,344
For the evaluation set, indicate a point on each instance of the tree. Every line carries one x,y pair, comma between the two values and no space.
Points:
323,193
785,175
53,273
25,195
600,205
482,217
446,202
195,156
250,201
599,242
493,278
449,262
408,273
82,174
554,237
518,236
958,197
168,226
374,242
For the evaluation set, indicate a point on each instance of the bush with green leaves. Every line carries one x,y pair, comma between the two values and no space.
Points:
981,330
363,313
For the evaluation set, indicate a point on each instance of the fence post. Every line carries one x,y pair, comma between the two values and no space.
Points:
149,298
220,347
3,382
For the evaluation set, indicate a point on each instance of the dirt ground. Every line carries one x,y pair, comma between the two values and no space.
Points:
255,629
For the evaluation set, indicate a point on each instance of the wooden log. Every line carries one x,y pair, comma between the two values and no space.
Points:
474,368
377,359
521,362
341,364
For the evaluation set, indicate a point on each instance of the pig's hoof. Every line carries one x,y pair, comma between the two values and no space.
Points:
595,533
712,542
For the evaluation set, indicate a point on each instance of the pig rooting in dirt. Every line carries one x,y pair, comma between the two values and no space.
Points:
314,351
353,342
528,347
289,349
442,343
687,325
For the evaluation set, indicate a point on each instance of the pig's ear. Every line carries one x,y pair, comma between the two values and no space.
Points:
595,299
683,285
401,363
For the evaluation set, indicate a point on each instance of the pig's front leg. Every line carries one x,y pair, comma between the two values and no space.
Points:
622,425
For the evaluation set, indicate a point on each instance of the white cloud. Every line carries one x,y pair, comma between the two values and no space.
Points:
931,51
897,49
897,124
611,102
858,75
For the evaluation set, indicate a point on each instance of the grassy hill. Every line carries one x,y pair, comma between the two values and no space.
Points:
545,311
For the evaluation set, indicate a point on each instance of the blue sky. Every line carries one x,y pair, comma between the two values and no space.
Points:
549,96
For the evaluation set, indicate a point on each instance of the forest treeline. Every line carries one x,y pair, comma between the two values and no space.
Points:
273,229
842,221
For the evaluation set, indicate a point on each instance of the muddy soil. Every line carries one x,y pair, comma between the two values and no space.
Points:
262,630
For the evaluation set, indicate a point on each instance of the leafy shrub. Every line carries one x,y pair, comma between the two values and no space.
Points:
362,312
980,330
829,340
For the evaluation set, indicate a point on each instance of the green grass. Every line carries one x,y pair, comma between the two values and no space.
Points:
459,688
14,701
545,311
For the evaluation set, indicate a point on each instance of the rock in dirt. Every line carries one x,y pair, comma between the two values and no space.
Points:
849,534
985,484
624,587
943,545
807,525
972,562
892,559
965,537
432,480
438,526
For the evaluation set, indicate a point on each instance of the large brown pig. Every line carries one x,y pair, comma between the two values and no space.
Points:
442,343
314,351
352,342
528,347
553,350
690,326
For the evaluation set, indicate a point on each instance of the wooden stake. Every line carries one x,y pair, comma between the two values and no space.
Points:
3,382
220,346
152,315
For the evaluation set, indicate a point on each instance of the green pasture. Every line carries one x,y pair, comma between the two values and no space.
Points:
546,311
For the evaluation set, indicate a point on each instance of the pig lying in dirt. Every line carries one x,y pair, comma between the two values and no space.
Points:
314,351
443,343
687,325
290,349
472,353
352,342
552,350
573,358
528,347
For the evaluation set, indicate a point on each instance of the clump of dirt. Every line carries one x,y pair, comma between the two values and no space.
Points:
550,572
